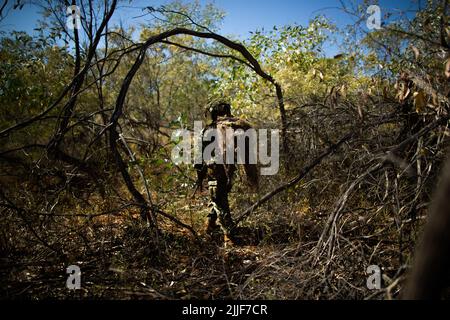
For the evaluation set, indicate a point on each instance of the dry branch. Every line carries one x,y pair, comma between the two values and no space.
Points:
330,150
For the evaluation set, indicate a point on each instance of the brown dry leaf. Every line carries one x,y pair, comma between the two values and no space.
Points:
406,93
419,101
343,91
321,75
360,113
447,69
435,100
416,52
403,92
317,72
385,92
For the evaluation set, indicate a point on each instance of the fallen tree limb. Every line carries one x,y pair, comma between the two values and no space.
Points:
176,221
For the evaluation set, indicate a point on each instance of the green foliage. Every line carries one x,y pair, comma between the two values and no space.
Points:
32,75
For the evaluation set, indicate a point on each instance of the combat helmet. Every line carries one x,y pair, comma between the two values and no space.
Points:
217,109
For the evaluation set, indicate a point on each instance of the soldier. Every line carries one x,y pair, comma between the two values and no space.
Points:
220,175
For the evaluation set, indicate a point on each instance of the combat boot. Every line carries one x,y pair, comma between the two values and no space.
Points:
210,225
228,240
227,225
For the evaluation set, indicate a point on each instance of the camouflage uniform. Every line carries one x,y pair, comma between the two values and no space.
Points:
219,180
220,176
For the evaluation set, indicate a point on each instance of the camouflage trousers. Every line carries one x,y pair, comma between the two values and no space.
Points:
219,206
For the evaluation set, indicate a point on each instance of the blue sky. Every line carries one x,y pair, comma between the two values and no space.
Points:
242,16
